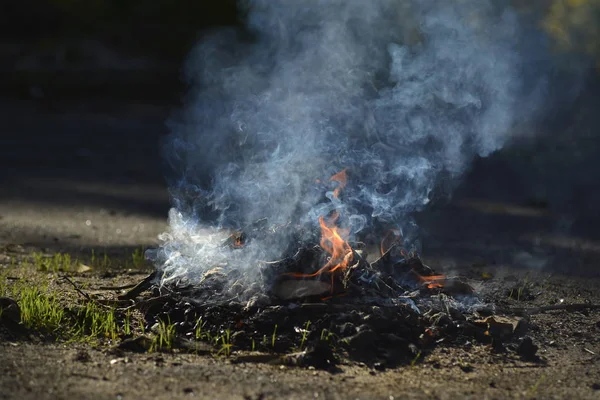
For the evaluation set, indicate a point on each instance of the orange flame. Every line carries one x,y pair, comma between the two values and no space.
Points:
333,242
392,237
333,238
433,281
342,178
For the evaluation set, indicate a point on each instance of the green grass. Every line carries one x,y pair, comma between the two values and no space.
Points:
3,286
226,344
305,333
103,262
41,310
93,257
95,322
64,262
414,361
127,323
49,311
141,324
519,292
56,313
164,338
55,263
106,263
274,336
138,259
327,335
199,332
135,260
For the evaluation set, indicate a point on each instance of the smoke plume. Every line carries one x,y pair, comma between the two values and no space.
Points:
404,94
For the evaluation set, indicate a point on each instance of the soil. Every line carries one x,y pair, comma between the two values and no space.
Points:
567,367
549,255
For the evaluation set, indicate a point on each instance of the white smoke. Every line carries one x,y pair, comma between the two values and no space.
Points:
401,93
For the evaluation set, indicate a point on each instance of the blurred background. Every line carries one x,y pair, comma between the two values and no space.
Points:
76,47
85,90
87,85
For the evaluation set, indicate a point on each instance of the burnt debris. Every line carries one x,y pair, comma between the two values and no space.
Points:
387,312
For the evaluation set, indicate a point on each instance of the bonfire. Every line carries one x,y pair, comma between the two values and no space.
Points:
329,302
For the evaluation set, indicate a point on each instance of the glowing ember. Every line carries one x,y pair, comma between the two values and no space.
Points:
237,240
342,178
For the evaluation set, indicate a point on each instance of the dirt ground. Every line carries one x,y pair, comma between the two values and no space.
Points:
568,367
95,183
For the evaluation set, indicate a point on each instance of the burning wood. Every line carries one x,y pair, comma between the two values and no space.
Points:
333,242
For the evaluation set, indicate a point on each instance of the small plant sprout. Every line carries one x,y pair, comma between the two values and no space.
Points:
127,323
38,260
327,335
415,360
225,344
165,337
105,261
3,286
274,336
142,325
137,257
253,345
304,334
95,322
199,332
110,325
58,262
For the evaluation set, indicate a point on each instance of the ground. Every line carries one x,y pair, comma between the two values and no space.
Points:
78,177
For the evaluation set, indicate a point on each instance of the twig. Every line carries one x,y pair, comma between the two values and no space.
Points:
123,287
145,302
82,293
139,288
87,296
543,309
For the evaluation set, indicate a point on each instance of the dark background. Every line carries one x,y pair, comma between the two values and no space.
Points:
74,47
86,88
